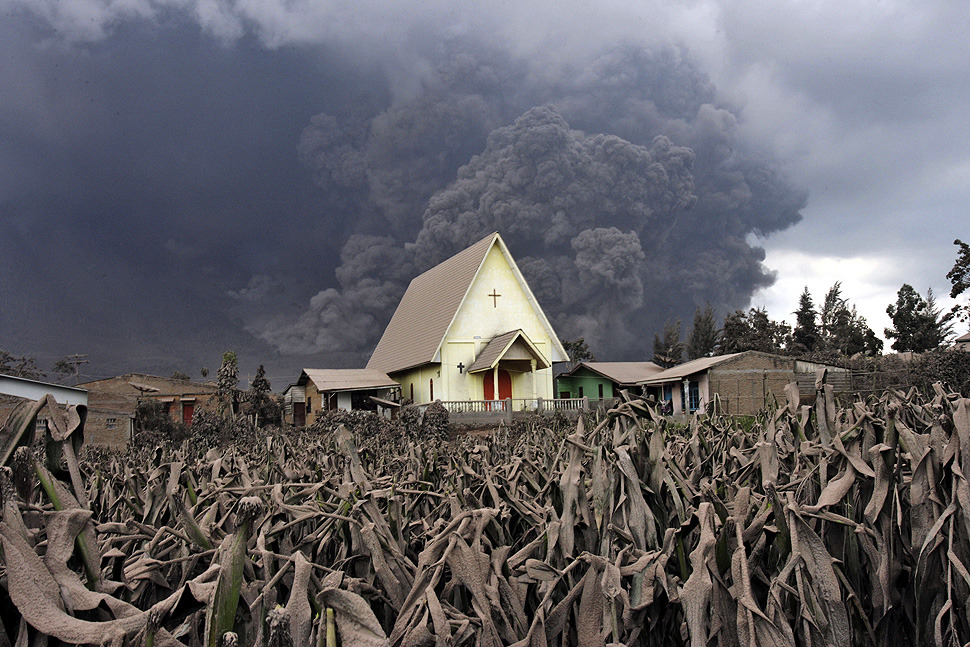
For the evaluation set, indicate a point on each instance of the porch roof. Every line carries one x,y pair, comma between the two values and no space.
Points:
507,344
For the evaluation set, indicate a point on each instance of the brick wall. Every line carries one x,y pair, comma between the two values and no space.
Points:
314,403
747,384
112,403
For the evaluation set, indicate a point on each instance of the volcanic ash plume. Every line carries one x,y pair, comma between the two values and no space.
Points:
625,193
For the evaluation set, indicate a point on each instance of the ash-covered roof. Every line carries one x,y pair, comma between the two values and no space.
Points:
346,379
688,368
499,347
429,306
623,373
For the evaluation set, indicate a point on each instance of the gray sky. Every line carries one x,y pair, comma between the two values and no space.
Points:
152,193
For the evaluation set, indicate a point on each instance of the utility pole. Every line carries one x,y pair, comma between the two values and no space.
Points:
76,360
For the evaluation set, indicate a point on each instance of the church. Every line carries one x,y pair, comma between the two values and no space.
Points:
470,329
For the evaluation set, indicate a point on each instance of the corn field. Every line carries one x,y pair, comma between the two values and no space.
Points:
809,525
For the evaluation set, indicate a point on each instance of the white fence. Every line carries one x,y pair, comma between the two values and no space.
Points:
505,408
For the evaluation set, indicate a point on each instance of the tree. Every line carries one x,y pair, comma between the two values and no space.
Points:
851,335
768,336
22,366
179,375
844,331
918,324
578,350
753,331
668,350
261,405
703,338
832,307
735,333
959,274
805,335
228,378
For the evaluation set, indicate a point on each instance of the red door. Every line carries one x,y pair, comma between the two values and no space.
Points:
504,385
188,408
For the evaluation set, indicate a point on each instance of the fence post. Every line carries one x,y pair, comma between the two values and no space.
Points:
508,409
585,403
540,407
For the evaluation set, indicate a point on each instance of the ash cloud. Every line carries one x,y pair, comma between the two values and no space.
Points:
623,188
175,185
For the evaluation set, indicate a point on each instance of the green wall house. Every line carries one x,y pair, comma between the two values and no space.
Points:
603,380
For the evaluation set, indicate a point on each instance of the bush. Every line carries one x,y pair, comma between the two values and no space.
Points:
435,424
154,425
410,419
951,367
368,428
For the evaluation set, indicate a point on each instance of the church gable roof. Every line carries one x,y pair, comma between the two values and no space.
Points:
422,318
429,307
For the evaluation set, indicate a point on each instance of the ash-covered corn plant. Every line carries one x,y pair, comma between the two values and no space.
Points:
810,525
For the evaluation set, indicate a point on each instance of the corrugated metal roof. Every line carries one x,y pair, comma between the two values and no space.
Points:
688,368
963,338
497,348
347,379
429,306
622,372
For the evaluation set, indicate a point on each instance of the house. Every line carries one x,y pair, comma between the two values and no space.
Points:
471,329
114,400
16,390
319,390
604,380
962,342
742,383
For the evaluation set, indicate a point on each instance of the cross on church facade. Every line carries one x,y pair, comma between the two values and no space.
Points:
461,367
495,295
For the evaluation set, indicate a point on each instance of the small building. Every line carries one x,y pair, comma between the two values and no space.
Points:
742,383
320,390
962,342
114,401
470,329
16,390
24,389
604,380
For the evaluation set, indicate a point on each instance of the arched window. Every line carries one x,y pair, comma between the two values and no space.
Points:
431,390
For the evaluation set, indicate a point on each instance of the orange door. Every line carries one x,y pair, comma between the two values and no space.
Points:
504,385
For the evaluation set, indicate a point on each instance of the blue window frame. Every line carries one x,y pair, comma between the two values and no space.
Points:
694,396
